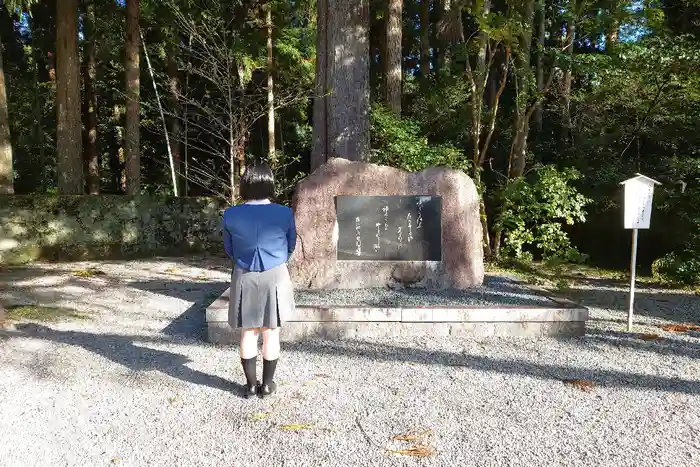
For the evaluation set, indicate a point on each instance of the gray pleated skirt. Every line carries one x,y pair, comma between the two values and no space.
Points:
260,299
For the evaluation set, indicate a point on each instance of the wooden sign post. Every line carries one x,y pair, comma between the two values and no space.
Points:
639,192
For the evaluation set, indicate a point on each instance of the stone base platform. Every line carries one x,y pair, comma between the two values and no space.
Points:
501,307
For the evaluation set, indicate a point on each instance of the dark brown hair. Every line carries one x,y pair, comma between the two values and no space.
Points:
257,182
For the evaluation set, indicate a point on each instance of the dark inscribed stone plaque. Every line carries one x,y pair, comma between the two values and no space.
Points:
389,228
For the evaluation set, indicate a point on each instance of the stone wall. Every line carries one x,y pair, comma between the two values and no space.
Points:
45,227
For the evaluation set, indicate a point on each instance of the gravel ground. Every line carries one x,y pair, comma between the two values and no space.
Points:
495,290
135,386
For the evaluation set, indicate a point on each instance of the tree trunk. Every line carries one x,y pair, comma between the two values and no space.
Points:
425,38
450,31
40,74
541,34
118,161
394,53
341,110
570,38
518,152
611,35
51,59
92,163
232,161
69,141
477,80
376,33
518,156
497,237
612,28
319,152
186,119
175,125
38,112
384,14
6,172
241,136
270,91
491,125
132,125
435,45
485,237
518,159
240,149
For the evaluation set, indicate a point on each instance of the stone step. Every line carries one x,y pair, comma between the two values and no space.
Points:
556,318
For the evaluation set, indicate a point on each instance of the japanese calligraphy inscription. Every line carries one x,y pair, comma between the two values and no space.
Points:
389,228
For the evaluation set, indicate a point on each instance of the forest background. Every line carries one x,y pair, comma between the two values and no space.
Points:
547,104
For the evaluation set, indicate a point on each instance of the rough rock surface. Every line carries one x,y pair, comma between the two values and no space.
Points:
314,264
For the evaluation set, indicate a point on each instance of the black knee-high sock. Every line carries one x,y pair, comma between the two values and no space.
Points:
269,367
249,370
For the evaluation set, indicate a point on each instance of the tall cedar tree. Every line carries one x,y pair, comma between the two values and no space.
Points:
68,115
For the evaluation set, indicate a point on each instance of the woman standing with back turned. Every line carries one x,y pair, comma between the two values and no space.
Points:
259,236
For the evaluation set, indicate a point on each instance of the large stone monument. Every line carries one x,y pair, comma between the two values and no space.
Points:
362,225
384,252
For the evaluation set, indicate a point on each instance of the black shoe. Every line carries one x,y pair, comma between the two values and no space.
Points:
267,389
251,391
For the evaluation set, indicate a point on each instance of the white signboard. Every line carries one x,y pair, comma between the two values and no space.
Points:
639,192
638,196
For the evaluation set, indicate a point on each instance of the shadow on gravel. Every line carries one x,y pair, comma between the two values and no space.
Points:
122,350
633,341
391,353
191,324
675,306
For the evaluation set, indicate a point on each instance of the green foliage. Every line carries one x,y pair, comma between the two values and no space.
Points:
534,212
680,269
401,143
16,6
682,266
442,109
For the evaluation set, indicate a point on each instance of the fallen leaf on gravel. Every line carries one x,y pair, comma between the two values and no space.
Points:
582,384
296,427
420,441
419,437
259,416
680,327
172,270
418,451
90,272
649,337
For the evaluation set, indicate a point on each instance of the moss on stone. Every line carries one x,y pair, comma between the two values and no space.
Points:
58,228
